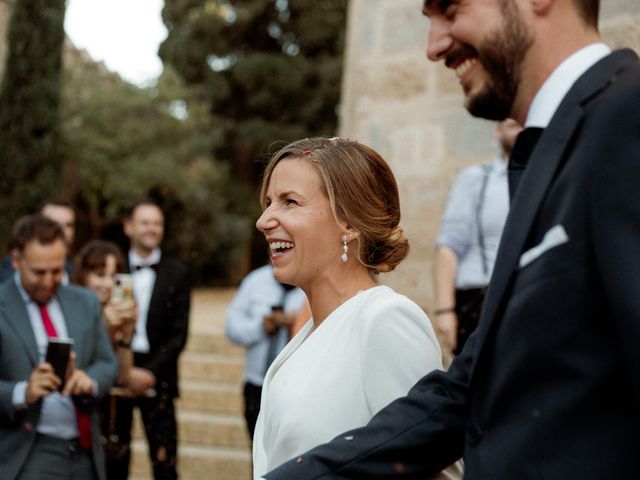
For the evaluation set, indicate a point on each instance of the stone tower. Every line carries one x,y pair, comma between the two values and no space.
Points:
411,111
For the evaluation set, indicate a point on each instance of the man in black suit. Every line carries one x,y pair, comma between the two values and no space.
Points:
162,291
47,431
548,386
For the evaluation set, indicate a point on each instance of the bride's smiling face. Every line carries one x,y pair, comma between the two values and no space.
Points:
299,224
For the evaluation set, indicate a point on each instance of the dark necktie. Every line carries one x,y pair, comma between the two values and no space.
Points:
524,145
84,422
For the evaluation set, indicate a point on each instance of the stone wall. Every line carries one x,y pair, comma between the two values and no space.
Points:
411,111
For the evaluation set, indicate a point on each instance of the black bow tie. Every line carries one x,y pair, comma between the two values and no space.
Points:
524,145
153,266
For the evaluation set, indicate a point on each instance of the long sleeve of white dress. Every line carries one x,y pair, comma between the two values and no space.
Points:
371,350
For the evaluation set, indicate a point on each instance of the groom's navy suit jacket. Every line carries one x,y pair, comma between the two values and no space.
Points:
549,385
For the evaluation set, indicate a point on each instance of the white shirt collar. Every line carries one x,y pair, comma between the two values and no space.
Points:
23,293
500,163
135,259
548,98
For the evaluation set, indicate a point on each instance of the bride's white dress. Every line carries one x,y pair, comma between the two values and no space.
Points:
369,351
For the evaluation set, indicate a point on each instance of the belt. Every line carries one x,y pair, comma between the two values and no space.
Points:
72,445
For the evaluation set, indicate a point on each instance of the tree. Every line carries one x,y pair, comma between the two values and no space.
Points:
269,72
29,103
123,143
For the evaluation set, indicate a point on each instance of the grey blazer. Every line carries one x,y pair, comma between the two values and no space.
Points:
19,355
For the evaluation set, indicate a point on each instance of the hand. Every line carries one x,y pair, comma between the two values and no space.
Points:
447,329
120,313
42,381
120,319
140,380
277,319
77,383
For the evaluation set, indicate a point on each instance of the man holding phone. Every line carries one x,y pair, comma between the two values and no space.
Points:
48,424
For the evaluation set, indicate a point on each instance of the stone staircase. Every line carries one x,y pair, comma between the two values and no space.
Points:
213,442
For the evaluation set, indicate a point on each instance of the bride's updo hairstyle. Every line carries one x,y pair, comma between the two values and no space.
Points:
362,191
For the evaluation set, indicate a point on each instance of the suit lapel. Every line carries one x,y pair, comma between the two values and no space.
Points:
158,286
15,313
543,166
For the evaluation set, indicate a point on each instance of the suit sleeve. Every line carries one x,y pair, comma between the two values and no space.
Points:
414,437
615,207
103,368
399,347
7,408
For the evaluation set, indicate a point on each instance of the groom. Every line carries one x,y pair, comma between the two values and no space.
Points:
548,386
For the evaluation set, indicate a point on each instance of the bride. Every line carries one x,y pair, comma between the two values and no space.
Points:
331,217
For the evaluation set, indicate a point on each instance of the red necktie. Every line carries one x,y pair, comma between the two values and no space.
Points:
84,423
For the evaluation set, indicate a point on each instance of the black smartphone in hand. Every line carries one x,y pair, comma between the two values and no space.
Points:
58,351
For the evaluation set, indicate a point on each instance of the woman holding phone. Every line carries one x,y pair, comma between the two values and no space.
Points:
99,266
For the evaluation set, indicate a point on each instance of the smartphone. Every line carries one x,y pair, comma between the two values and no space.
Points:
58,351
123,288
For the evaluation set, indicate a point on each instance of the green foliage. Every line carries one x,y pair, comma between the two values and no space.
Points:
123,143
270,70
29,99
241,77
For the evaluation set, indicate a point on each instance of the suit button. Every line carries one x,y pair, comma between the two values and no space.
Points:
474,434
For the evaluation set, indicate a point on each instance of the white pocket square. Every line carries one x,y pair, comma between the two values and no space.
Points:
554,237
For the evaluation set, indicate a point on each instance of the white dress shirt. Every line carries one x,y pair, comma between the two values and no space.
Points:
144,280
553,90
58,415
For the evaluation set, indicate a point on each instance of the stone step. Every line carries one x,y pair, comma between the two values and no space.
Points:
203,396
209,306
206,429
219,368
214,443
196,462
212,340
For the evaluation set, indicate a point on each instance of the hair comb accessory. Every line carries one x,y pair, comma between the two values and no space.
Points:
309,153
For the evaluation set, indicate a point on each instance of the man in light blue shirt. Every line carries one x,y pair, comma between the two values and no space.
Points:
468,241
259,318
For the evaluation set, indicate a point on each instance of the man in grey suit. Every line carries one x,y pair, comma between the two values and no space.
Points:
46,432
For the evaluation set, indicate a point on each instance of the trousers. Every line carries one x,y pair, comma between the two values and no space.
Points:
57,459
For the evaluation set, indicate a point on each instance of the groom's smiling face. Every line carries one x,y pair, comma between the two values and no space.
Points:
485,42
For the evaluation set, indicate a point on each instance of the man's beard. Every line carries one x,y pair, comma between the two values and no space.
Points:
501,56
